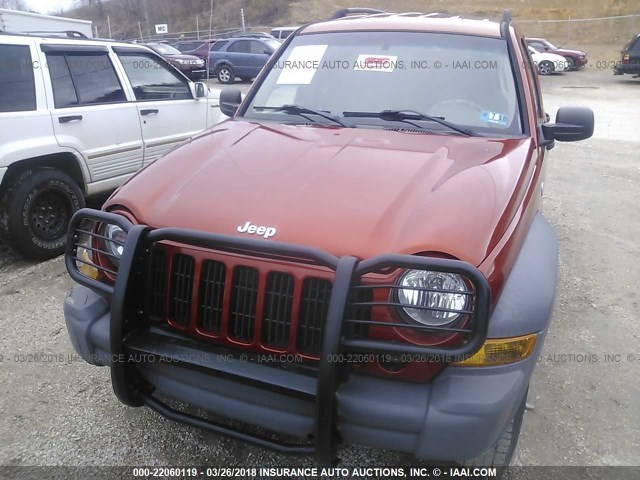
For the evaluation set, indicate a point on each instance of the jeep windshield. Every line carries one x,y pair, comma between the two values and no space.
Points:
462,79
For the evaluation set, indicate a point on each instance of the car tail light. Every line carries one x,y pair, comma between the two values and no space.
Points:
625,58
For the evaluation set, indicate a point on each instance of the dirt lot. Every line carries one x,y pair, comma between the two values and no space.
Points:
585,391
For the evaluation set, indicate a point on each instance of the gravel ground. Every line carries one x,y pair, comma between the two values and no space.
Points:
63,412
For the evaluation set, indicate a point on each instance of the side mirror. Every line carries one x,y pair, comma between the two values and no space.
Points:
572,124
266,51
200,90
230,99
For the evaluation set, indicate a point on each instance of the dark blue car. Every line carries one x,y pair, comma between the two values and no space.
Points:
240,57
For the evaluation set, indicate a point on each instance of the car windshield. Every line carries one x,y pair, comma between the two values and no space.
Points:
631,42
166,49
465,80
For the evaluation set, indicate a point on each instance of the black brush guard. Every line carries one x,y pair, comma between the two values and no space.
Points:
126,335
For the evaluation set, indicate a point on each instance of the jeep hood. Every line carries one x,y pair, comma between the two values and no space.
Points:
358,192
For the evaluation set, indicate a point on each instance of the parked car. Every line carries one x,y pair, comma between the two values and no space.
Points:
198,48
192,66
256,35
630,58
575,58
548,63
336,264
77,118
283,32
240,57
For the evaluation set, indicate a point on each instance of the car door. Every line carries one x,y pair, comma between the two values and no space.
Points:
260,54
169,113
239,54
23,108
90,110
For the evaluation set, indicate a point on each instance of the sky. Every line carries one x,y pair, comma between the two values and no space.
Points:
48,6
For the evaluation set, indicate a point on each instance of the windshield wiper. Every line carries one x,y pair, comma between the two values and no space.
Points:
407,116
305,111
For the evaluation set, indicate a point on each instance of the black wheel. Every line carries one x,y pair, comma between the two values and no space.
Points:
225,74
571,64
500,454
545,68
35,212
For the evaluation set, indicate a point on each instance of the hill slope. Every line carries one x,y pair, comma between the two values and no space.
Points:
129,18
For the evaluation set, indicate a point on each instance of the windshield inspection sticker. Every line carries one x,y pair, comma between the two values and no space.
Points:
493,117
301,66
376,63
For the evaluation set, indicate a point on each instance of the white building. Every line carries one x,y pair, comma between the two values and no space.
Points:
13,21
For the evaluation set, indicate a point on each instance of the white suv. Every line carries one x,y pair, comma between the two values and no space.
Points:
78,117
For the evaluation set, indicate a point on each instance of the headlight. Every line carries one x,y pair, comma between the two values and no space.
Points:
116,234
433,290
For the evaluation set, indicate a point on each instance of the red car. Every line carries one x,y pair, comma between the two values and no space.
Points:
198,48
350,258
192,66
575,58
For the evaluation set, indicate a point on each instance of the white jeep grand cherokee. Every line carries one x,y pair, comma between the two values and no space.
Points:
78,117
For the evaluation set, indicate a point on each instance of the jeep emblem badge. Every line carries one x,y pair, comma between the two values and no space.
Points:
248,227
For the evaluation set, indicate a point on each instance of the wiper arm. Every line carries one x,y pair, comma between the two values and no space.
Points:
302,111
407,115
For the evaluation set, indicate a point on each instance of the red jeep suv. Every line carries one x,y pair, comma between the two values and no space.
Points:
357,255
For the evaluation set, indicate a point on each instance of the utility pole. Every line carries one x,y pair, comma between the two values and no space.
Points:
109,26
242,17
140,29
197,29
210,18
145,12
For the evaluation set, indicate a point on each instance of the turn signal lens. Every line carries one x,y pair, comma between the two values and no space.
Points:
85,269
501,351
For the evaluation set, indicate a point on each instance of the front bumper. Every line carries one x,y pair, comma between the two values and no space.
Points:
196,73
455,417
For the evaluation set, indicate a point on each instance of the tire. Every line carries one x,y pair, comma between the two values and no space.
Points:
545,68
35,212
571,64
225,74
500,454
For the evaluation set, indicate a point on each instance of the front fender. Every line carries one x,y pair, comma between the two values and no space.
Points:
526,302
